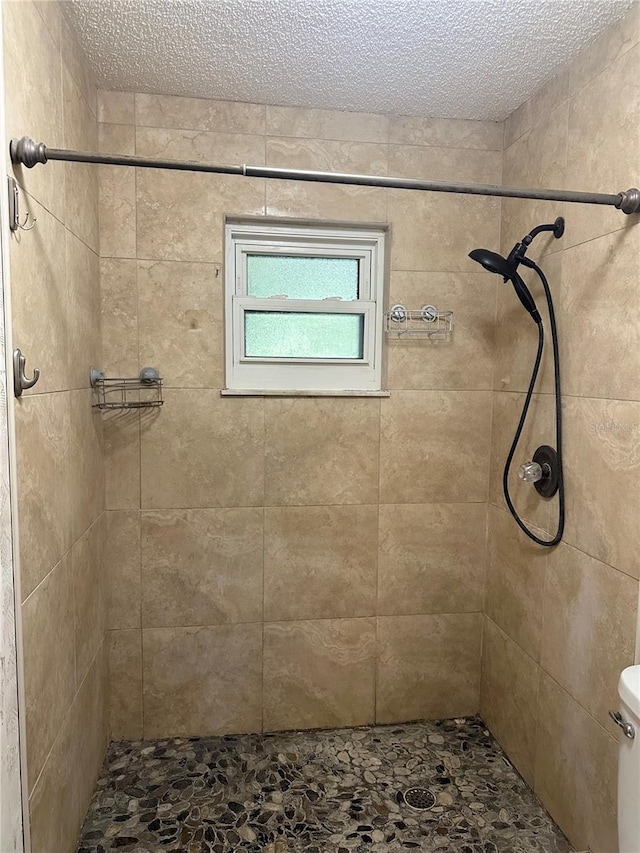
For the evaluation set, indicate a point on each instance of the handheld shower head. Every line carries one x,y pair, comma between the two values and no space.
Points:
493,262
508,269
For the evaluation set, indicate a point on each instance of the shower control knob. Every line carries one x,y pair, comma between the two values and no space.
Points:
543,471
530,472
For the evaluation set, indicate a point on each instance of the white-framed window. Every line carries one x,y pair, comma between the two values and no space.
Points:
304,306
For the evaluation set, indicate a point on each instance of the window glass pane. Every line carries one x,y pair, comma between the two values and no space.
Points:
279,334
302,278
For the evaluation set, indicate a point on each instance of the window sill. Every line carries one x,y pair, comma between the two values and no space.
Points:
241,392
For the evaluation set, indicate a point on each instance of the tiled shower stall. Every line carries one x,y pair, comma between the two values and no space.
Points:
256,564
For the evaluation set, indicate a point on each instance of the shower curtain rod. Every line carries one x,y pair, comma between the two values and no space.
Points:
29,153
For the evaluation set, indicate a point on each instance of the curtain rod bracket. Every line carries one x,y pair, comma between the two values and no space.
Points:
629,201
28,153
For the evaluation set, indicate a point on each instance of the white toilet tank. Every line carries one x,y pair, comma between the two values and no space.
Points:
629,761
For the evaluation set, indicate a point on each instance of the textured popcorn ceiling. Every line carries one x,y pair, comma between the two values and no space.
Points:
475,59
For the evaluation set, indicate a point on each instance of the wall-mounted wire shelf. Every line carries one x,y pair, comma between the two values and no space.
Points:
427,322
140,392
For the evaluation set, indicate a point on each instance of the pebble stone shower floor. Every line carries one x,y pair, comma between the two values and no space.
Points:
332,791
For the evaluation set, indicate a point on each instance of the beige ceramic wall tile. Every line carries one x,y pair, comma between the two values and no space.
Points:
201,567
125,684
535,110
119,317
83,293
588,629
425,565
599,281
180,322
53,812
463,361
86,481
89,716
607,48
509,696
539,429
326,201
116,139
117,193
81,184
604,145
89,599
321,451
320,562
51,15
232,149
116,107
327,124
34,99
202,681
181,214
445,133
515,581
212,450
328,155
575,772
428,666
434,446
319,674
601,473
198,114
436,231
122,569
62,795
49,662
39,299
42,439
122,460
445,164
75,59
538,159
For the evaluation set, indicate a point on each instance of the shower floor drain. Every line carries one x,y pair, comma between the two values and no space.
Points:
420,799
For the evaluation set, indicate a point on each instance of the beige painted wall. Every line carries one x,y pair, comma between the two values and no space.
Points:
560,626
286,563
56,322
